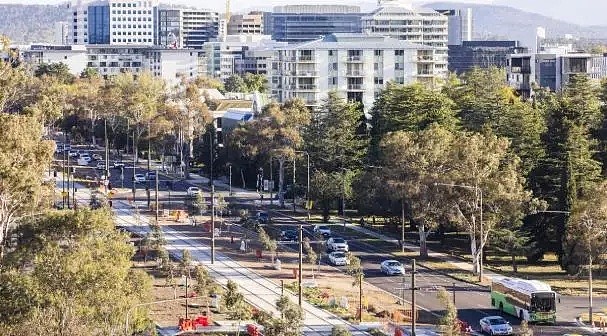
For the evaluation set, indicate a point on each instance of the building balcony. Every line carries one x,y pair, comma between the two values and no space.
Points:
311,73
425,73
355,73
356,87
525,69
306,58
307,87
354,59
425,59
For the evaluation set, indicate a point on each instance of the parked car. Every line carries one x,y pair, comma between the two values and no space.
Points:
86,157
337,244
139,178
193,191
495,325
338,258
97,157
73,153
323,230
118,164
289,235
150,176
100,165
67,147
392,267
263,217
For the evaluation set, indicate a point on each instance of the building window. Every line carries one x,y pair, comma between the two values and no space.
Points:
399,66
399,53
379,80
378,53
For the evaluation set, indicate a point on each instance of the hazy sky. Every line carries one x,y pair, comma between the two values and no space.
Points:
585,12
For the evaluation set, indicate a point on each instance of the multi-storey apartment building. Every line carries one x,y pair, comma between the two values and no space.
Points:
460,25
552,71
357,66
300,23
109,60
180,28
237,54
417,25
246,24
115,22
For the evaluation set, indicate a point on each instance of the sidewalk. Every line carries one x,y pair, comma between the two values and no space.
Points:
258,291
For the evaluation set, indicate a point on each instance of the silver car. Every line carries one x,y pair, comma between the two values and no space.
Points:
495,325
392,267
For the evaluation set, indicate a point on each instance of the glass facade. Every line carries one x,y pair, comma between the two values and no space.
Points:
482,54
169,32
99,24
296,27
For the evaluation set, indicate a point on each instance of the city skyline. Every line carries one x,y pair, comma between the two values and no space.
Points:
587,13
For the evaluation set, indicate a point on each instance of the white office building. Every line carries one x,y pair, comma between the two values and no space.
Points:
356,66
73,56
404,22
114,22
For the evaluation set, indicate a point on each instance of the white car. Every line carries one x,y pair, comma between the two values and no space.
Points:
85,157
338,258
118,164
193,191
101,165
495,325
337,244
72,153
97,157
392,267
323,230
139,178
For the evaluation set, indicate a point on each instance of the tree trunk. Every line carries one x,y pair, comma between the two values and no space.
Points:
136,145
474,251
514,265
187,159
423,236
281,180
326,208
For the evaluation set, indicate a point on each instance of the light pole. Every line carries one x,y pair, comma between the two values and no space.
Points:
308,182
343,198
212,159
107,153
156,195
230,169
480,192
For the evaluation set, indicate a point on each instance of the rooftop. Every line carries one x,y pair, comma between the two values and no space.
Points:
354,40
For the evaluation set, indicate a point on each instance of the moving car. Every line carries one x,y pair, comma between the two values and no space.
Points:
193,191
338,258
337,244
263,217
495,325
392,267
323,230
289,235
139,178
118,164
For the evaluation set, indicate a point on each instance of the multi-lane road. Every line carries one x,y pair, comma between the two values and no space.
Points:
471,300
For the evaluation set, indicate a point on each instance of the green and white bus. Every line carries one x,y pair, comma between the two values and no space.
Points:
529,300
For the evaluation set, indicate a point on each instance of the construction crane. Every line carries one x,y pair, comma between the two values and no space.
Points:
228,14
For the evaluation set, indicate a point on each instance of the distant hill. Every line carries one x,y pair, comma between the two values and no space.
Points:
491,21
25,24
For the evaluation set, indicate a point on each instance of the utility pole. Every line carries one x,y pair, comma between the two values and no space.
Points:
413,315
300,290
230,168
454,294
294,161
147,180
65,154
156,194
107,153
402,225
212,152
591,321
360,298
186,294
134,166
67,171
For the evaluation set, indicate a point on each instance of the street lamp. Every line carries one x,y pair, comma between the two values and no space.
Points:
480,191
308,183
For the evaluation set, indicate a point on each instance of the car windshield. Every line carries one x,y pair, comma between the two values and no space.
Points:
543,302
194,189
323,228
339,255
338,241
497,321
393,264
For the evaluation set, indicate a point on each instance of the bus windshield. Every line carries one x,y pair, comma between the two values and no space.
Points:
543,302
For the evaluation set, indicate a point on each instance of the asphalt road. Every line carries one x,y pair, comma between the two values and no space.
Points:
472,301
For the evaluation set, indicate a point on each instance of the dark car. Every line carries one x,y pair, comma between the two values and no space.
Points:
263,217
289,235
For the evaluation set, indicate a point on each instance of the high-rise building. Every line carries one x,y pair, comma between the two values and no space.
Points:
482,54
115,22
246,24
460,25
189,28
356,66
404,22
61,33
300,23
